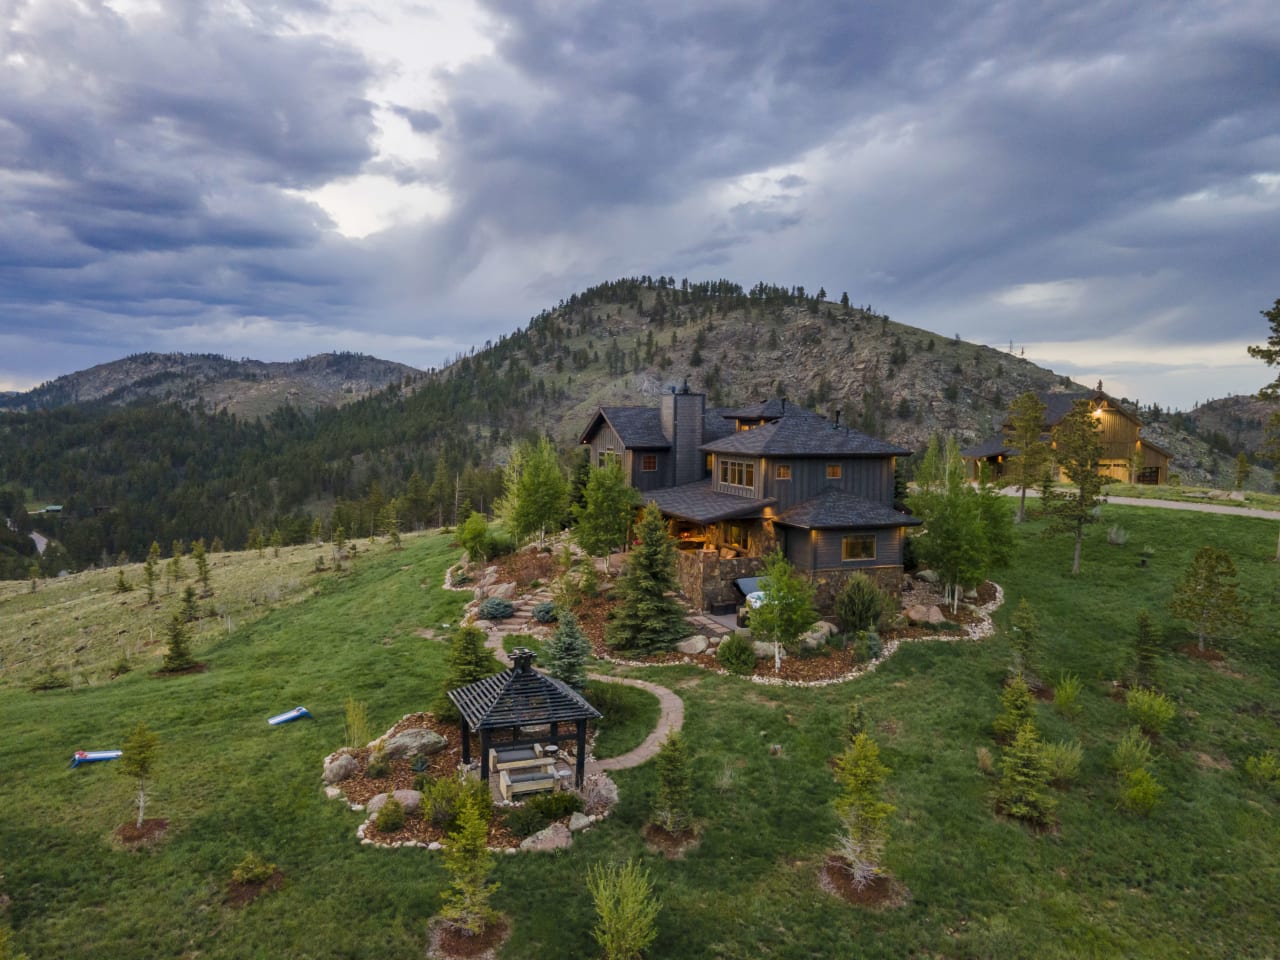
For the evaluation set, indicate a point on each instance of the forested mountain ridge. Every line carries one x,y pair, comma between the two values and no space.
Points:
243,387
159,470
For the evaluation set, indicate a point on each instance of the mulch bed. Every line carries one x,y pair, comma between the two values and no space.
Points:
882,893
1193,650
673,846
448,942
132,836
243,894
526,566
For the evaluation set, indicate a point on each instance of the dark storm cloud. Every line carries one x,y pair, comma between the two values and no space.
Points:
420,121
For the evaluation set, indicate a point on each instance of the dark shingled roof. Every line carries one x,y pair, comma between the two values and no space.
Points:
804,435
715,424
832,509
770,409
992,447
701,504
639,428
519,698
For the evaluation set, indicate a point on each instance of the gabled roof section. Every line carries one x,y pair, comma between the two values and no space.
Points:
991,447
835,509
715,424
519,698
804,435
700,503
1058,405
639,428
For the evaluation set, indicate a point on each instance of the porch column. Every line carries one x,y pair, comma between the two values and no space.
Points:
466,740
582,752
484,754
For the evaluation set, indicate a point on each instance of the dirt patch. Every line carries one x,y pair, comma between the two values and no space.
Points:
185,671
673,846
1193,650
243,894
882,893
526,566
1222,668
132,837
1207,762
450,943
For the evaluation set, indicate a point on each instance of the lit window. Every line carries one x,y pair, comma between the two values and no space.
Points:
649,462
782,471
833,471
858,546
738,473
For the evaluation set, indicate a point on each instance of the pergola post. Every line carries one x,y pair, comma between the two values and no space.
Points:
484,754
466,740
582,753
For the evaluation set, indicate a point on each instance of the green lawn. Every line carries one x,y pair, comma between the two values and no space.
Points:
1201,877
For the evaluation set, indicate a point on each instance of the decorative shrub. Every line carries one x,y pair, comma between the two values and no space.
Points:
545,612
737,654
1264,770
524,821
443,800
855,720
252,869
1139,791
495,608
50,678
557,805
378,766
626,909
419,764
1063,761
1024,777
1132,752
1150,710
860,604
1066,695
868,646
1015,709
390,816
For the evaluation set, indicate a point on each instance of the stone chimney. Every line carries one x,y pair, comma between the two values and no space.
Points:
681,413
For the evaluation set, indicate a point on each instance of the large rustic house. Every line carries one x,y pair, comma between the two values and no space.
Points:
736,483
1126,456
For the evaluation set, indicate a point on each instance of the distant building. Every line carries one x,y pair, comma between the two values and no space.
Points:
736,483
1126,456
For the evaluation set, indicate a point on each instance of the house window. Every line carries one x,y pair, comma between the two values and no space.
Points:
649,462
606,456
738,473
858,546
737,536
782,471
833,471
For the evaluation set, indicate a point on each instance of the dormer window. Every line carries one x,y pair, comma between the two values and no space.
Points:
738,473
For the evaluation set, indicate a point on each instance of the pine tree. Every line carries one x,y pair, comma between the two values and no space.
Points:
315,531
1025,639
626,909
1077,448
468,862
1023,792
565,653
1207,595
255,540
1026,467
177,550
671,807
190,609
1243,469
1016,709
122,585
178,655
863,812
138,756
1146,649
150,571
466,662
389,524
647,619
201,558
276,541
1270,353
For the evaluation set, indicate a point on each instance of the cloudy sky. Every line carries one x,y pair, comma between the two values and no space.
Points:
1098,184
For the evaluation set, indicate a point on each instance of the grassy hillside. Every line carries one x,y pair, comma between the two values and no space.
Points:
1200,877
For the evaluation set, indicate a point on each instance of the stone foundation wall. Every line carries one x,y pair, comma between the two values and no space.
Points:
828,584
706,579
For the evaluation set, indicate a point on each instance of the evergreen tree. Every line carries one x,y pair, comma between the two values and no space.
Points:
150,571
138,756
1016,709
190,609
647,619
1243,469
201,559
255,540
626,909
466,662
1270,353
565,653
1026,467
1078,448
33,571
787,610
178,655
1146,649
177,549
864,814
122,585
1026,641
315,531
607,510
1207,595
1023,792
671,807
468,863
277,540
389,524
8,951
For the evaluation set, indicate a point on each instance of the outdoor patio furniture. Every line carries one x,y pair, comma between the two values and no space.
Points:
513,758
513,783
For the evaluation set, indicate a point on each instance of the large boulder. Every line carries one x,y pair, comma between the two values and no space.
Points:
339,768
503,591
599,794
928,576
554,837
413,743
920,613
694,645
817,635
764,651
411,800
579,821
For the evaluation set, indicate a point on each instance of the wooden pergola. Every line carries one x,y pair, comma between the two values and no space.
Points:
520,698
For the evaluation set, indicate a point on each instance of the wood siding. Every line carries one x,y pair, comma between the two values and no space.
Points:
821,549
605,439
649,480
870,478
734,489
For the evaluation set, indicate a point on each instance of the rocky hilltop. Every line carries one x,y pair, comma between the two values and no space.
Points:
243,387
